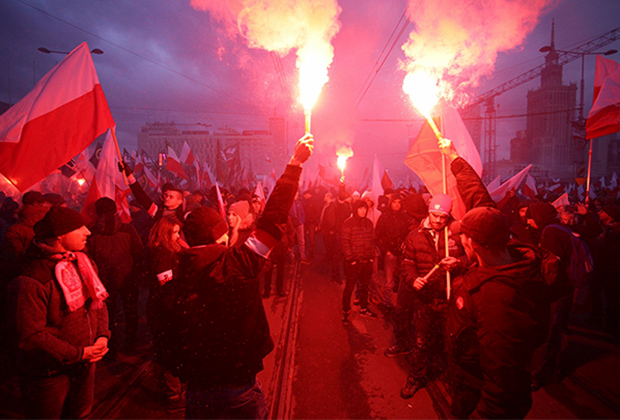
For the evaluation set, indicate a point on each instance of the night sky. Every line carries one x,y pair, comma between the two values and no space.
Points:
166,61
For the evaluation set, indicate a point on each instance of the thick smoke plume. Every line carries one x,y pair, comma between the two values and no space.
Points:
306,26
457,41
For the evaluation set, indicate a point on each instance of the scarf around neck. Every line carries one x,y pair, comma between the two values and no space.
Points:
79,281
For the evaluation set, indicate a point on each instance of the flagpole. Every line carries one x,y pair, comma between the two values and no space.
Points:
442,143
120,156
589,170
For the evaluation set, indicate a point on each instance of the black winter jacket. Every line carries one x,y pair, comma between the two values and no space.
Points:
358,239
497,317
223,330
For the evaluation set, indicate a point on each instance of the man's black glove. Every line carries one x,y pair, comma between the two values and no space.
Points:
123,167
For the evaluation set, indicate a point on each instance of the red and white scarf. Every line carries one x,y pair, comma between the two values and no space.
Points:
76,286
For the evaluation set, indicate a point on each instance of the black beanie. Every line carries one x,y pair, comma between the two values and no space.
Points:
58,221
542,213
105,205
204,226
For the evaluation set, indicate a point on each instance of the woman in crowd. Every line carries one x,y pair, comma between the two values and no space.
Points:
164,246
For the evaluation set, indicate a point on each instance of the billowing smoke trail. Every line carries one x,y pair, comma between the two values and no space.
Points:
456,42
307,26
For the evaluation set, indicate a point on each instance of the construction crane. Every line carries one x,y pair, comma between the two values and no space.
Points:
488,98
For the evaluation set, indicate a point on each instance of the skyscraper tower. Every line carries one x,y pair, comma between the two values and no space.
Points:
551,110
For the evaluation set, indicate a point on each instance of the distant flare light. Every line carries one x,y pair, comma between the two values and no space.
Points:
344,153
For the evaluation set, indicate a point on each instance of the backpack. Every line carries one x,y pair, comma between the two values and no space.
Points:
581,264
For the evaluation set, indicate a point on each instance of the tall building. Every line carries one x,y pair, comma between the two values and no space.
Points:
551,110
260,150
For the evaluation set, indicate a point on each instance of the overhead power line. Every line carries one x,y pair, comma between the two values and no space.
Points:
158,64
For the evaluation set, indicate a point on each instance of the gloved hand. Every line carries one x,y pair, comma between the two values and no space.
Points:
123,167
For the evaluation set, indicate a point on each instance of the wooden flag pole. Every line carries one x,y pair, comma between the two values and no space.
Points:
120,156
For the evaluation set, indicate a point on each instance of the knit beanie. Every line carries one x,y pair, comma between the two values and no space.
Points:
240,208
204,226
105,205
485,225
54,199
58,221
415,205
32,197
440,203
542,213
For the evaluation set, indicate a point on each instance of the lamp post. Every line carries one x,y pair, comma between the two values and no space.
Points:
548,48
581,122
46,51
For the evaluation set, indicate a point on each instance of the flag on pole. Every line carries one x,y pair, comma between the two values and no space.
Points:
173,164
63,114
495,184
107,182
561,201
512,184
604,117
220,201
529,188
187,156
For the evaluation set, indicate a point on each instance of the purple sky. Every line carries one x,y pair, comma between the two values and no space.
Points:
165,61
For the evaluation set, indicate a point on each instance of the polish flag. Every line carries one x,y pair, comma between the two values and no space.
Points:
173,164
512,184
561,201
376,189
604,117
425,157
107,182
61,116
529,188
187,157
220,201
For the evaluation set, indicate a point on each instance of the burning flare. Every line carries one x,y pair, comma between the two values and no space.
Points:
281,26
455,43
343,153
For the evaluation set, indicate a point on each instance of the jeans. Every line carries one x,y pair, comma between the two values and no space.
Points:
359,272
247,402
65,395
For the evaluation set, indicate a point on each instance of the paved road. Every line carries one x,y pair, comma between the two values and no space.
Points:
322,369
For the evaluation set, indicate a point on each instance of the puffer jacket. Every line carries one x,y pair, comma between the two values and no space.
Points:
391,231
420,256
50,338
358,238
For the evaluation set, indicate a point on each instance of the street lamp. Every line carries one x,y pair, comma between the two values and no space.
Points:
548,48
46,51
581,122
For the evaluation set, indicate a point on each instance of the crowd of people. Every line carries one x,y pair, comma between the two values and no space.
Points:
481,302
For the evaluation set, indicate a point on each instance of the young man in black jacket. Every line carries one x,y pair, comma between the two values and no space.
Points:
223,330
499,309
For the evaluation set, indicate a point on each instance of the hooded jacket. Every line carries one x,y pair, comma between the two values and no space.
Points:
391,230
358,236
497,317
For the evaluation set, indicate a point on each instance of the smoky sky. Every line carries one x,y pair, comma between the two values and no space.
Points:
165,61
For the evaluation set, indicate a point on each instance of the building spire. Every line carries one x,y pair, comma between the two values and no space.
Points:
553,34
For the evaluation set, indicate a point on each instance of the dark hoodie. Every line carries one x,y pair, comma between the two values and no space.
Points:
358,236
554,239
497,317
117,249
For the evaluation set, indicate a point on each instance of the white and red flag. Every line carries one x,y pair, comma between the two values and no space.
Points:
173,164
561,201
424,157
529,188
604,117
512,184
107,182
187,156
63,114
